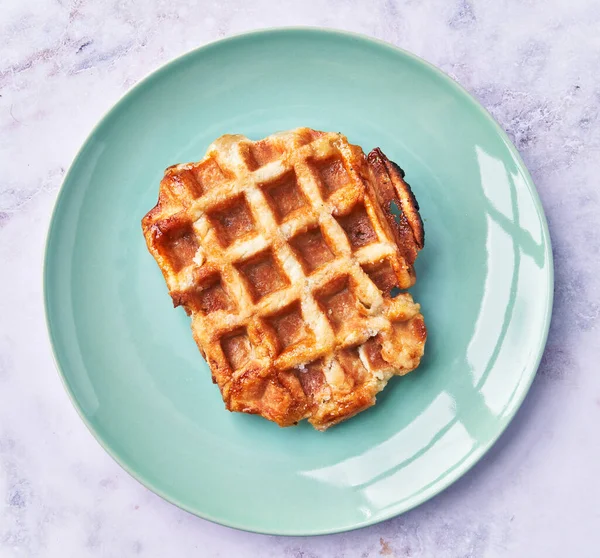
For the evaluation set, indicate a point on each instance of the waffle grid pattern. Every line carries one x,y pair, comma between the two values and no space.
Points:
283,255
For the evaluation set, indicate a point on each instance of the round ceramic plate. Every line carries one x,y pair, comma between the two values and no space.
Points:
484,283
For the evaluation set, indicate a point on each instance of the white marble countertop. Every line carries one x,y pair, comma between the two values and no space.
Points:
534,65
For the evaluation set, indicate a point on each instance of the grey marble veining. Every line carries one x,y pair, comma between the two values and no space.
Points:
535,65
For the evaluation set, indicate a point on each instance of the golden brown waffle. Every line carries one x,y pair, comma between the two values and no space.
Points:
284,252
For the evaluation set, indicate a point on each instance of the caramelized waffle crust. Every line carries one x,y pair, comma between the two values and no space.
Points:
286,252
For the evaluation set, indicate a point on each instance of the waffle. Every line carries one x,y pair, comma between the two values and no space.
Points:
286,253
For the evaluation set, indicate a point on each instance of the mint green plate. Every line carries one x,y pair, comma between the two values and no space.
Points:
128,359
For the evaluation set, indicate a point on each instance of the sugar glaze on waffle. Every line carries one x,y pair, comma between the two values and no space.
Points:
285,252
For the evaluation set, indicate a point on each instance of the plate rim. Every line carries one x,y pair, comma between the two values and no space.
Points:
514,405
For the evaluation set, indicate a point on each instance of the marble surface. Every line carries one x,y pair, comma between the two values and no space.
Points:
533,64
